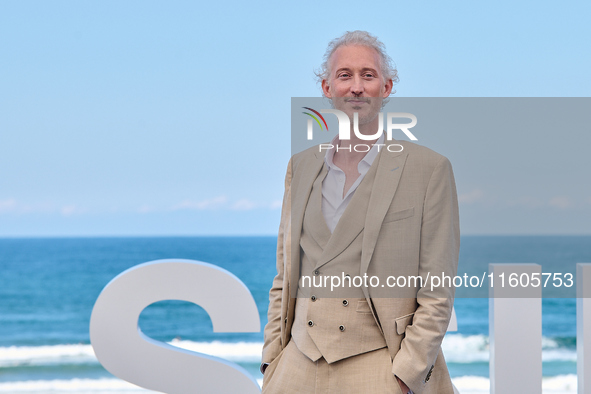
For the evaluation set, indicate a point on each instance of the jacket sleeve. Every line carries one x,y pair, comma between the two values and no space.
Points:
272,345
439,249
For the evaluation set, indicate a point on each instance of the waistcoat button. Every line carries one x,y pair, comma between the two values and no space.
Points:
310,323
313,298
345,302
342,328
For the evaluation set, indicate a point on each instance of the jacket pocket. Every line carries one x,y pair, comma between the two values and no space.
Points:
399,215
402,322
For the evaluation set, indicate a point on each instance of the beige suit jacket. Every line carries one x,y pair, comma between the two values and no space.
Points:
411,227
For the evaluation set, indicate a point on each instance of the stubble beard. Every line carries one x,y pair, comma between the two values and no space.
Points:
367,113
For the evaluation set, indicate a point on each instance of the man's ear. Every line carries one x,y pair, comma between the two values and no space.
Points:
326,88
388,88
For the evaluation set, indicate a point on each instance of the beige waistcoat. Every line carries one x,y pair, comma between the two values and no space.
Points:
332,324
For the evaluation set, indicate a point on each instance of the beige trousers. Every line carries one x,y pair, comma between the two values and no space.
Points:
294,373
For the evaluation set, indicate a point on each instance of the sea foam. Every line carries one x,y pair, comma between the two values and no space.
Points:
563,384
14,356
456,347
459,348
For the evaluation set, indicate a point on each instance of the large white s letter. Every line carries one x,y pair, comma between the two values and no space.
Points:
129,354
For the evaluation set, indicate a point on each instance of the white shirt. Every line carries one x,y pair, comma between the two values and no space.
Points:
333,202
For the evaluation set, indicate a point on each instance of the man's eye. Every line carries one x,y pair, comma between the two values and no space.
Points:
344,75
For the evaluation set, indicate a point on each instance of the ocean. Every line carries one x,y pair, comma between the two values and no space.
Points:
48,287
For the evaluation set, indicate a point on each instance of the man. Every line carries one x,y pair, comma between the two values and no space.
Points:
385,212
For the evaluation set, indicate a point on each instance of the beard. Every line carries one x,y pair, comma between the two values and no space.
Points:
367,110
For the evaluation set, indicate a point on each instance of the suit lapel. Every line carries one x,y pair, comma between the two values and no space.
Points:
300,194
389,171
314,222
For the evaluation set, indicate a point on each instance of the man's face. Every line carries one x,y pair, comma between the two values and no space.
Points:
356,83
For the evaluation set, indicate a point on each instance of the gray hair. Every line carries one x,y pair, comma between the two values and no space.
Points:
358,37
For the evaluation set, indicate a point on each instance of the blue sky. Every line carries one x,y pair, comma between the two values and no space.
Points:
173,118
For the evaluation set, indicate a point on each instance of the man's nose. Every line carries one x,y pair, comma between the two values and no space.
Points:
357,87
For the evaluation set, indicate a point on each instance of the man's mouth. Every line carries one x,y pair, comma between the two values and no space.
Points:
357,101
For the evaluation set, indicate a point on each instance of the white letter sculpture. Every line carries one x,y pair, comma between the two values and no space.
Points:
130,355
